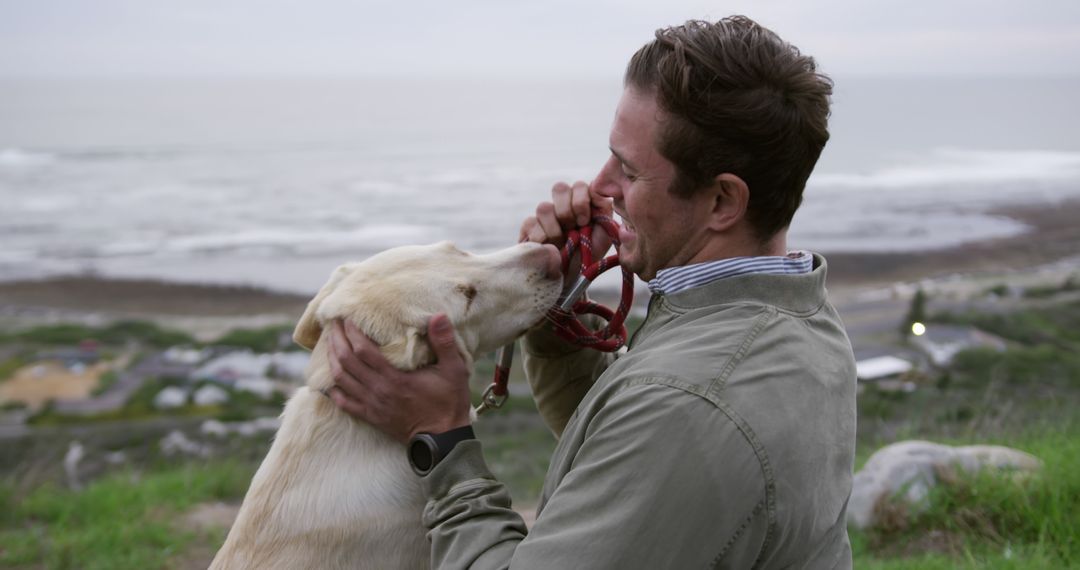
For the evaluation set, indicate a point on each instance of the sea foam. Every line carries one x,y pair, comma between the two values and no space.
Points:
950,166
15,158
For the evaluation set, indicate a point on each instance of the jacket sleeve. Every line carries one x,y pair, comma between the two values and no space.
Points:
662,479
560,373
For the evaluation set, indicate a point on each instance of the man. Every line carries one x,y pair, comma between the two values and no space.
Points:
724,437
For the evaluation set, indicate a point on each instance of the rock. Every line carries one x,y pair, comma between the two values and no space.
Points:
267,424
260,386
210,395
214,428
246,429
912,468
115,457
176,442
170,397
72,458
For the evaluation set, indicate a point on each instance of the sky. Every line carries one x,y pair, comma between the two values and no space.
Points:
515,38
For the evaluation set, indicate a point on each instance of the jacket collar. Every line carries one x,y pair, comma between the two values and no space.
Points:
800,294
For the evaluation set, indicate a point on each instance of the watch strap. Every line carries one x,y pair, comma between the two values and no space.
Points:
426,450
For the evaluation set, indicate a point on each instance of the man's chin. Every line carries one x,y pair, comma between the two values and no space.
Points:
630,263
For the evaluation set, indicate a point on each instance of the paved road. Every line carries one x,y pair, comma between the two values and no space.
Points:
128,382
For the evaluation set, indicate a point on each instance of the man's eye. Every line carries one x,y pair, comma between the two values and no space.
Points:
629,176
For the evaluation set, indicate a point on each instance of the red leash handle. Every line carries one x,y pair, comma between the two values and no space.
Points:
564,315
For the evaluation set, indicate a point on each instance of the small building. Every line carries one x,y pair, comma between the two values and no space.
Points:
261,386
232,365
882,368
942,342
888,373
185,355
86,354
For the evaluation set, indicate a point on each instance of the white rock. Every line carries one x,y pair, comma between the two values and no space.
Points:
115,457
210,395
912,467
176,442
267,424
170,397
214,428
72,458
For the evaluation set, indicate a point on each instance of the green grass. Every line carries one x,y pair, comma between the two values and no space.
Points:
518,454
1027,365
991,520
115,334
148,334
1058,326
266,339
10,365
123,521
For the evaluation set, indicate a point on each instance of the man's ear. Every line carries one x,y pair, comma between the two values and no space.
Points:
308,328
729,196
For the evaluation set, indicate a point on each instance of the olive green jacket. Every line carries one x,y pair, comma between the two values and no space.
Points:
724,438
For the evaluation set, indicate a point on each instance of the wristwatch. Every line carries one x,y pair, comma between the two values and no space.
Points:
426,450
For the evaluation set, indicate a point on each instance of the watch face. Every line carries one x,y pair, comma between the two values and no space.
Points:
421,456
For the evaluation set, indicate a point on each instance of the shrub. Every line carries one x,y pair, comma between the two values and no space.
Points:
259,340
115,334
1037,365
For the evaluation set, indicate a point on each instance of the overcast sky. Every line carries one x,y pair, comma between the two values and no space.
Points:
515,37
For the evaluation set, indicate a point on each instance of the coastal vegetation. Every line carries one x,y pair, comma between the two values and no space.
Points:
139,513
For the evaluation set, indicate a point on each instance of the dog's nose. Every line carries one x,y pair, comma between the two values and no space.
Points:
553,269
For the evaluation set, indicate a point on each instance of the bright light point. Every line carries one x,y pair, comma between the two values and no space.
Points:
918,329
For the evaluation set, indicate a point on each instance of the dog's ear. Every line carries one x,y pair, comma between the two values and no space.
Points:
410,351
308,328
416,351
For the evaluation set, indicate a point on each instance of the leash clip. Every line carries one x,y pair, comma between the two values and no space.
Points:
496,394
490,401
574,293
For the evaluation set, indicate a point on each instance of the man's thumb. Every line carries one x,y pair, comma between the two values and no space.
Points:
441,336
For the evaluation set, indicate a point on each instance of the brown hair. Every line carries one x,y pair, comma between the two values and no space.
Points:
739,99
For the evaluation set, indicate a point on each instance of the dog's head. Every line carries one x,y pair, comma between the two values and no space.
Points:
490,299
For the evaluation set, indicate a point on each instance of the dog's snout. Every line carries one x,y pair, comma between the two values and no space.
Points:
554,262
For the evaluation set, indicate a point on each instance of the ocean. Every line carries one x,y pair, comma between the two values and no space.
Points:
274,182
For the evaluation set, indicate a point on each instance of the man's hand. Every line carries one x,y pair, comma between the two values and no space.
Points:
570,207
434,399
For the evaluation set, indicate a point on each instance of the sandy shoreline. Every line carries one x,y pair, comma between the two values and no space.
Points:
1054,235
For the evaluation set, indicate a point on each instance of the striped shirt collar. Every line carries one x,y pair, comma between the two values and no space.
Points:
674,279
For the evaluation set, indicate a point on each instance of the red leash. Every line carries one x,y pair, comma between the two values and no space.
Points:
564,315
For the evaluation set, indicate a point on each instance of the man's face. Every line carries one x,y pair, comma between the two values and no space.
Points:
659,229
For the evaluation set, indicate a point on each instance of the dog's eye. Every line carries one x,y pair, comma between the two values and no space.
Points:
468,290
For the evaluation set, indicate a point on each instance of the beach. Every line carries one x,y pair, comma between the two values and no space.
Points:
209,309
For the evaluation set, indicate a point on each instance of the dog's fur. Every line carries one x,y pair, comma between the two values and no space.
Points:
333,492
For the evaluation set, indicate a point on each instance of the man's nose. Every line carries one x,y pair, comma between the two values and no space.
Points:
604,184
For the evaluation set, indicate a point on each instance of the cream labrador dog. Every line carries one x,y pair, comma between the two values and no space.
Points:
334,492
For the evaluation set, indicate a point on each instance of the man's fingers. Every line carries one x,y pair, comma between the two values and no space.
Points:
366,351
581,203
342,359
561,197
531,231
545,216
352,406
